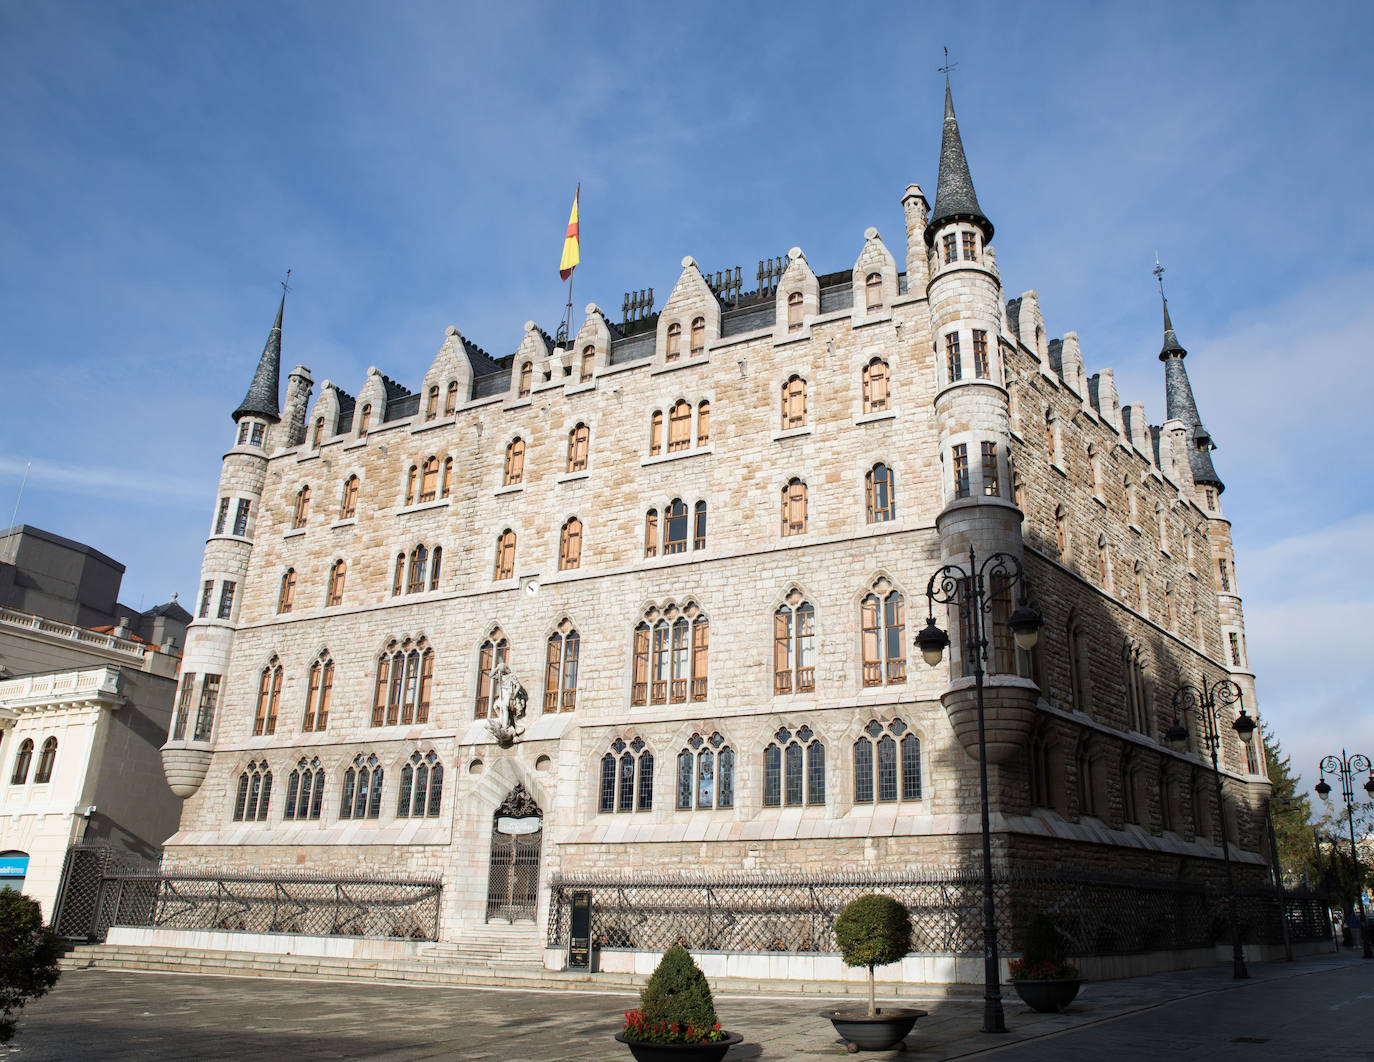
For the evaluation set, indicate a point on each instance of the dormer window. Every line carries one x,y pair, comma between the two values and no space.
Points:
432,403
526,379
674,348
363,419
451,398
794,312
951,247
316,438
970,247
588,362
698,336
873,291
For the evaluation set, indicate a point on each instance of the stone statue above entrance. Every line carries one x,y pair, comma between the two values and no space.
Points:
507,707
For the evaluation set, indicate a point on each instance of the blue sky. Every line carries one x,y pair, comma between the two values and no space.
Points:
413,163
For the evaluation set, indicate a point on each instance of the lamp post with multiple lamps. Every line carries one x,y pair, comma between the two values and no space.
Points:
1203,702
967,588
1346,767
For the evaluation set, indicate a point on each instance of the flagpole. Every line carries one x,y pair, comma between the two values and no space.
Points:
567,312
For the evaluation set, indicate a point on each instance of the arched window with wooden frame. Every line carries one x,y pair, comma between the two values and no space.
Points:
675,527
793,402
436,557
419,565
794,311
883,624
302,510
794,769
794,645
671,648
680,426
269,698
304,791
451,398
627,777
705,774
873,292
505,556
429,480
287,597
656,433
793,507
493,651
348,502
673,350
422,787
560,668
651,533
317,434
526,379
703,422
588,366
699,526
405,674
361,795
412,475
570,545
515,462
876,386
698,345
254,793
446,480
47,758
318,694
398,578
338,572
432,403
22,759
579,440
887,763
364,420
880,494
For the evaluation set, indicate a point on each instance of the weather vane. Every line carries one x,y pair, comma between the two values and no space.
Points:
1159,273
285,284
948,65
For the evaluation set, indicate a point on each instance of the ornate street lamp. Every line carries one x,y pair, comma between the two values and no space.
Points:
1203,702
967,588
1347,766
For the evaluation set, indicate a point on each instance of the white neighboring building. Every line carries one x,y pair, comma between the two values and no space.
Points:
79,736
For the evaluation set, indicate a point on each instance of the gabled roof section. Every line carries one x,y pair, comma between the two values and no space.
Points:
955,199
261,399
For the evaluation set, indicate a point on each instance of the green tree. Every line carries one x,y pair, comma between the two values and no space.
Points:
1292,811
873,931
28,957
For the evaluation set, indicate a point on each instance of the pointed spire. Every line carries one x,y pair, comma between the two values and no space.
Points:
955,199
261,399
1181,406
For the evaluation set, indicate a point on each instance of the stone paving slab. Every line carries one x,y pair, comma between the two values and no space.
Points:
122,1016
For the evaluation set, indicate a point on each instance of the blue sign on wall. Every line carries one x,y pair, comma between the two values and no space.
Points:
13,866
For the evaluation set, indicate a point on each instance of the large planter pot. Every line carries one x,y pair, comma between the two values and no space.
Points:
647,1052
1048,996
888,1028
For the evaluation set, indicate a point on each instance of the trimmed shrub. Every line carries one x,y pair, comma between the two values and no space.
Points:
28,957
1045,956
676,1005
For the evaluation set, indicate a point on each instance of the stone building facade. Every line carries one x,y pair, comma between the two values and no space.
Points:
700,540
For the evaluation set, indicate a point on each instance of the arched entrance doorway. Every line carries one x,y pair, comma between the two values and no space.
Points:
513,876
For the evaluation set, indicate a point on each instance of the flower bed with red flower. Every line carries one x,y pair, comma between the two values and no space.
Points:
662,1032
1021,970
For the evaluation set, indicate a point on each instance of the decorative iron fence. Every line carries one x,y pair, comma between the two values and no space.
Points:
88,893
1099,914
316,906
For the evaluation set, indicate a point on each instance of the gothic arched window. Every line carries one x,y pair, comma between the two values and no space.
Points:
422,787
405,674
505,555
876,384
793,507
883,624
793,402
794,769
627,777
494,651
302,510
318,693
794,645
560,669
671,648
269,698
254,793
698,336
873,292
887,763
361,797
879,494
570,545
304,791
706,774
515,463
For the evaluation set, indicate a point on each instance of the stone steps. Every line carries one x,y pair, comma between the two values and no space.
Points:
456,968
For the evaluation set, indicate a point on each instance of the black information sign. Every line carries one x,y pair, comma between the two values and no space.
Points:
580,938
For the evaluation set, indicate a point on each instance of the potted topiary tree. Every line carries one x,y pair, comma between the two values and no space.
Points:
1043,977
676,1019
873,931
29,951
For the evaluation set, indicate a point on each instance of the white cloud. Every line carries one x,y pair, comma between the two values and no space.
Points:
103,481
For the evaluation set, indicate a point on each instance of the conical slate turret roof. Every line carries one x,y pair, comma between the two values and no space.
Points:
955,199
1178,393
261,399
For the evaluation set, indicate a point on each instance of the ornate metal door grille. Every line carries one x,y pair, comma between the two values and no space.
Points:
513,883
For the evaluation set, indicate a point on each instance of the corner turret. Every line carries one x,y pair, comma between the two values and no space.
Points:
261,399
1181,405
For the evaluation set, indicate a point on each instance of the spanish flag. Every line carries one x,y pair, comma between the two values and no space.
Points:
570,243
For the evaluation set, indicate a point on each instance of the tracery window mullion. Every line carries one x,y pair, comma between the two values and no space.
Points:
772,776
863,771
706,778
815,773
793,774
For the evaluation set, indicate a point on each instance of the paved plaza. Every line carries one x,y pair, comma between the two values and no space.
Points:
1319,1006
